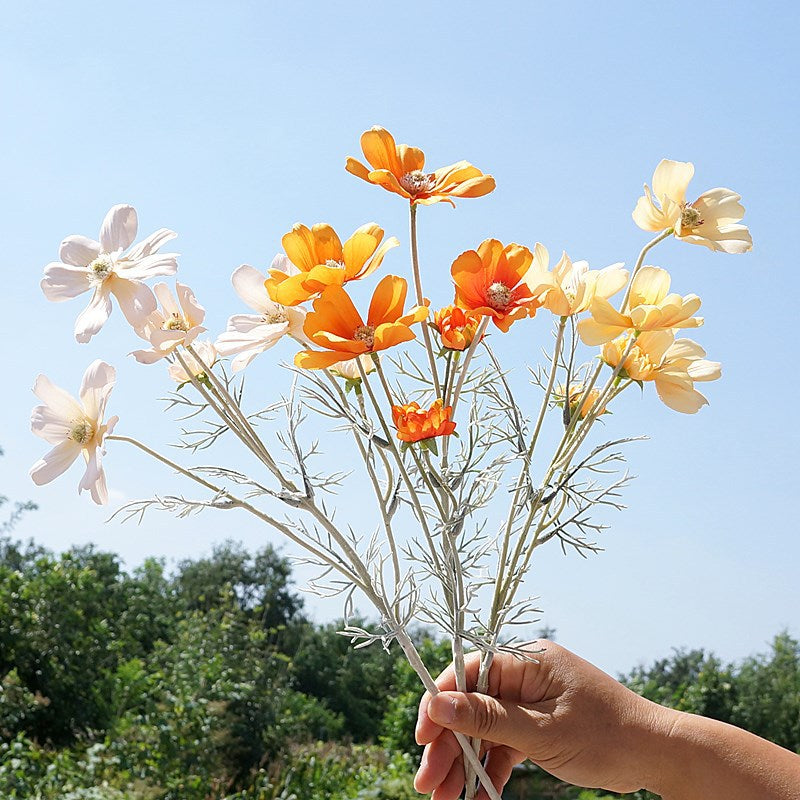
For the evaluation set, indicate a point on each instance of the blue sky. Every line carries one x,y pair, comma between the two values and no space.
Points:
230,122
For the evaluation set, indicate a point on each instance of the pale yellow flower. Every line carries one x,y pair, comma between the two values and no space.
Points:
197,369
349,369
673,365
652,308
711,220
571,286
575,393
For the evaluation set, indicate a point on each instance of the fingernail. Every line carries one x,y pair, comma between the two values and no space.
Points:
442,709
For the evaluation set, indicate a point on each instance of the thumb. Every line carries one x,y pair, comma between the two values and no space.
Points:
485,717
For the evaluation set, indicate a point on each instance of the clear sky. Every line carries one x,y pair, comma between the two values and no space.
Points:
228,122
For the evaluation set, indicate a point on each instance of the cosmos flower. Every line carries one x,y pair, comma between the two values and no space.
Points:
336,325
489,282
75,427
415,424
401,169
247,335
456,326
651,306
175,323
318,259
103,268
570,286
711,220
197,369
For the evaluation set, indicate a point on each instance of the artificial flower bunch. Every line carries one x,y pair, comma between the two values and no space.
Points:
417,389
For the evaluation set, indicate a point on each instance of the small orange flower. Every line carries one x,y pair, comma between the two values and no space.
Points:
415,424
336,325
489,282
400,169
320,260
456,327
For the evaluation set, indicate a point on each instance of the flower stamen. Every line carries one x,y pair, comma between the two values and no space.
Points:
499,296
690,217
81,431
176,323
100,269
417,182
366,334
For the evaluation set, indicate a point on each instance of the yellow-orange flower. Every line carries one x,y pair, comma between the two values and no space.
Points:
320,260
570,287
336,325
673,365
489,282
456,326
711,220
400,169
652,308
415,424
575,394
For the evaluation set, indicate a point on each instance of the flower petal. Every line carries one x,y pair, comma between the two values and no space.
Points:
151,244
248,283
62,282
671,179
387,300
650,286
380,150
97,383
94,316
78,251
59,401
94,479
55,463
136,301
119,228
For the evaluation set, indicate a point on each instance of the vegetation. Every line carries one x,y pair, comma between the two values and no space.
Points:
211,683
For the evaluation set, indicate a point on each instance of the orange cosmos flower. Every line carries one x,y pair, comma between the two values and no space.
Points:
489,282
456,327
399,169
320,260
336,325
415,424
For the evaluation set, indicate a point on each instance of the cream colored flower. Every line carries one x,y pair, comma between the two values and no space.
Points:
247,335
75,427
349,369
104,269
571,286
673,365
197,369
711,220
177,322
651,306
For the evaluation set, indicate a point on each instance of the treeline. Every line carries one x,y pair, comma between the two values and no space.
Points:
210,682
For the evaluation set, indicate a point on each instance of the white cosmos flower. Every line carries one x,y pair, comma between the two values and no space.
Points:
75,427
247,335
104,269
177,322
349,369
208,355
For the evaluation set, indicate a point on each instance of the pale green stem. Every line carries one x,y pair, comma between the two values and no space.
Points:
426,334
387,524
234,501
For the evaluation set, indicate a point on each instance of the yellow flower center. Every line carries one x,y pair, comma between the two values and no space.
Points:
275,319
100,269
417,182
176,323
499,296
366,334
81,431
334,264
690,217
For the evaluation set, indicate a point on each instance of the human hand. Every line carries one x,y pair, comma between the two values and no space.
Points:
559,711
